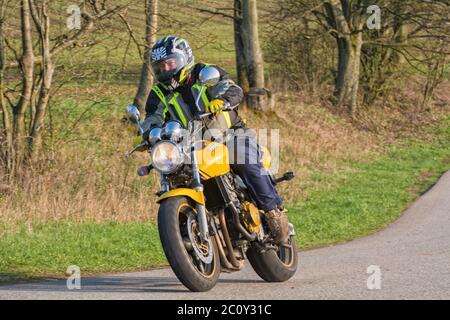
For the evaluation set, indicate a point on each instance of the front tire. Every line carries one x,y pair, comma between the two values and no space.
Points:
275,266
175,216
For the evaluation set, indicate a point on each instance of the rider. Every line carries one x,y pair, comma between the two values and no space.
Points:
173,97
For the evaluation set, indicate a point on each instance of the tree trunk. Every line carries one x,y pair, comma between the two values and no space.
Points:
6,150
27,64
434,76
146,81
347,81
349,53
258,97
241,67
47,66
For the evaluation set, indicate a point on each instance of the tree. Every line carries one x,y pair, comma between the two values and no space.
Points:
346,27
408,32
23,113
241,67
146,80
249,54
7,145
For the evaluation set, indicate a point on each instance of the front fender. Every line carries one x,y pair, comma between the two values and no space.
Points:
197,196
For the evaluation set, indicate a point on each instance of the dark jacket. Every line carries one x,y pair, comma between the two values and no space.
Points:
229,92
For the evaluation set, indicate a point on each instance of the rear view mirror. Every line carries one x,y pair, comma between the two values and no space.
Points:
134,116
209,76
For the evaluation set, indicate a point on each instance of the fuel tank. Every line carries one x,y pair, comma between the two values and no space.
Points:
213,159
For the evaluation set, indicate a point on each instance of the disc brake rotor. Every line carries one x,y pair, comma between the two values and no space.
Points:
202,248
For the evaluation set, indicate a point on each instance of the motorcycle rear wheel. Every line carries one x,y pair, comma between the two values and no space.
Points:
275,266
175,216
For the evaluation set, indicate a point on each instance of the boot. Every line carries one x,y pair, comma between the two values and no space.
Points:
278,224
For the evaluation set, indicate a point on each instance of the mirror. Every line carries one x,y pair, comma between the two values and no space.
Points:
134,116
209,76
133,113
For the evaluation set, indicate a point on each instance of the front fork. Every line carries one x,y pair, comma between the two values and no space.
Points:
197,185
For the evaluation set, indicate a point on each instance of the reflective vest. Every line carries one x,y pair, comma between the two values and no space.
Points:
180,110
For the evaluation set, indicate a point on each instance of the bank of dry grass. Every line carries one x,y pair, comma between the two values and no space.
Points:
84,175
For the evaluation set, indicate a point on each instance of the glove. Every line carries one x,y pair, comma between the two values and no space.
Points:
215,105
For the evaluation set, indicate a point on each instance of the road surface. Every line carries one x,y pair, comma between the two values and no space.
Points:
410,259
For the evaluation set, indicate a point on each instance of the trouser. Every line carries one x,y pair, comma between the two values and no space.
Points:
245,155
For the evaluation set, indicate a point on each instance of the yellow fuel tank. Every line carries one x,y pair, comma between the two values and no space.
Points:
212,160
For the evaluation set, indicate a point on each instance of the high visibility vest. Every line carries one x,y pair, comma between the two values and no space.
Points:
180,110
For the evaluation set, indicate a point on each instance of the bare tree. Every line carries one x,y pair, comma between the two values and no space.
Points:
249,54
22,135
408,32
151,27
346,24
241,67
7,145
42,23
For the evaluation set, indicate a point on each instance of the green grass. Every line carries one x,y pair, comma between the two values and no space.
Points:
358,200
50,248
369,196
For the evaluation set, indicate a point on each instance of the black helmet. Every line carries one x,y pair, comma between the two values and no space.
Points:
171,59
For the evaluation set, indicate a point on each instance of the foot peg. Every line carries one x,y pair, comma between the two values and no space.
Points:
286,177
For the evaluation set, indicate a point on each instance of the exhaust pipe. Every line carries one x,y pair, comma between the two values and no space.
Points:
226,236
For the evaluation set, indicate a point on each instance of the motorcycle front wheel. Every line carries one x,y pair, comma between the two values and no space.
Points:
195,262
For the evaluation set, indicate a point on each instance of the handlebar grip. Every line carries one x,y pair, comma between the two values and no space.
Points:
145,170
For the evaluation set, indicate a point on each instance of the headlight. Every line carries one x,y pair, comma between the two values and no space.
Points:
166,157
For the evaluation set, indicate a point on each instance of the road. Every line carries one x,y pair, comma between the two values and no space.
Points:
410,259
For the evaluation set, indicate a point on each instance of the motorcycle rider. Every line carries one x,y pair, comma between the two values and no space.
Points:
174,96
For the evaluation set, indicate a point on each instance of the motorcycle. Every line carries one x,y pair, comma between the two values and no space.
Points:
207,220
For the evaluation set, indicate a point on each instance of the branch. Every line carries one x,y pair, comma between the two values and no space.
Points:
64,41
131,33
216,12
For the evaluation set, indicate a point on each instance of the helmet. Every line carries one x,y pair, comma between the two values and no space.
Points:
171,59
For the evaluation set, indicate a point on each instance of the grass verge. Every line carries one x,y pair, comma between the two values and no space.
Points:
364,197
357,200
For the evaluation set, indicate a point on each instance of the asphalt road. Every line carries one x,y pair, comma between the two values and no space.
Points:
410,259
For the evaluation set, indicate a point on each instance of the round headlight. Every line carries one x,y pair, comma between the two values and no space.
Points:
166,157
173,130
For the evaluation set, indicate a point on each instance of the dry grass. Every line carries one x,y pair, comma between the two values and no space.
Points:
90,179
87,176
312,139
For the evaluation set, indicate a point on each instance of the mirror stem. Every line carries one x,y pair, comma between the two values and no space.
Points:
198,98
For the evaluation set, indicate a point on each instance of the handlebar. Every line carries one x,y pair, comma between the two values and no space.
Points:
139,146
201,116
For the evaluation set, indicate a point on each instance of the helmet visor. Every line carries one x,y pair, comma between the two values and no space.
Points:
165,69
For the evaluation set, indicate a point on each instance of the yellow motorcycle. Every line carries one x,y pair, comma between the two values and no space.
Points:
207,221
